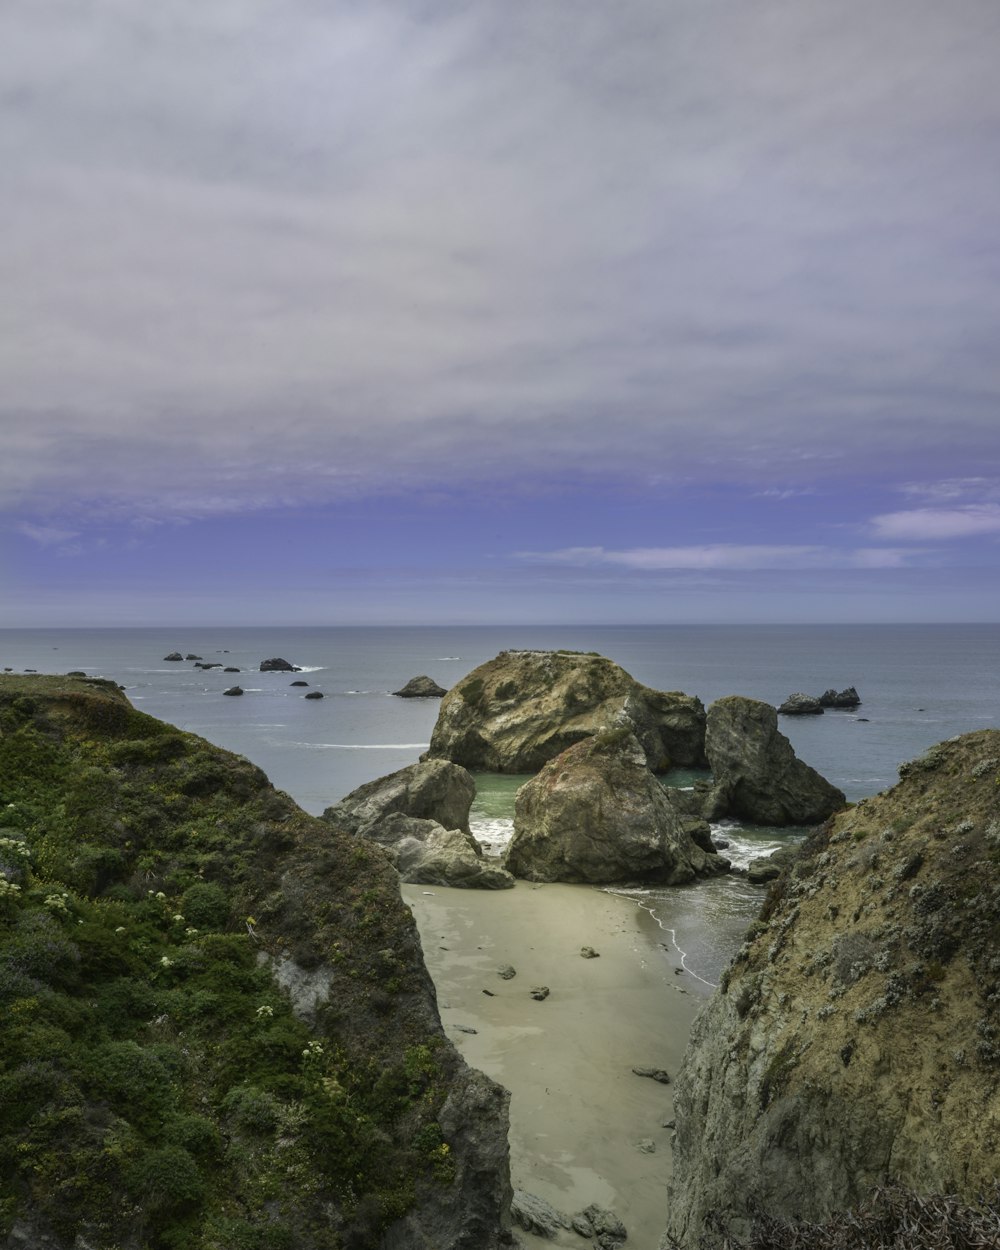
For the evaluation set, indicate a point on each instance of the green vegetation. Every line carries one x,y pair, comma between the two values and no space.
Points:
158,1089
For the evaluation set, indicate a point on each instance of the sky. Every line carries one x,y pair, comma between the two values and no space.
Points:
419,311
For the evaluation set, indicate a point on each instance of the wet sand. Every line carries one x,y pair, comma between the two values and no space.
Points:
578,1113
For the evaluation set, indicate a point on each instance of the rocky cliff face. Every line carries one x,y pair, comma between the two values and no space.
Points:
216,1028
857,1034
596,813
523,708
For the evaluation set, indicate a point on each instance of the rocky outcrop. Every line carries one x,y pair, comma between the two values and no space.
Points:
801,705
173,656
213,976
234,690
420,814
856,1036
434,790
278,665
425,853
523,708
840,698
758,777
421,688
596,813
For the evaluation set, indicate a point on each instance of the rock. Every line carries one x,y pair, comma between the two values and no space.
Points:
841,698
425,853
314,694
767,867
435,790
230,669
607,1229
506,972
191,656
588,952
174,655
210,664
298,683
758,777
801,705
523,708
234,690
535,1215
597,814
857,1034
464,1028
277,665
655,1074
646,1145
76,672
539,993
421,688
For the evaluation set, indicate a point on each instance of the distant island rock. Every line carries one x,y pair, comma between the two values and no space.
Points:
314,694
801,705
840,698
278,665
234,690
421,688
174,655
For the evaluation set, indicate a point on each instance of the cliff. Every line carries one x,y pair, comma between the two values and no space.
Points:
856,1037
216,1028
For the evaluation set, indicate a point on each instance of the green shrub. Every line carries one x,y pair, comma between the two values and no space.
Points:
166,1179
205,906
251,1109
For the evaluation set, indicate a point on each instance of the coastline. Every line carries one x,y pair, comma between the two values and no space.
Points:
578,1112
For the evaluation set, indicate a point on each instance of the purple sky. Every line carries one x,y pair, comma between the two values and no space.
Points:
321,312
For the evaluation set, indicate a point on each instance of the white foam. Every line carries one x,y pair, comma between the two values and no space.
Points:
637,897
492,833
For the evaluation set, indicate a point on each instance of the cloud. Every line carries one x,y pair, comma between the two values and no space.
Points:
307,251
724,556
935,524
46,535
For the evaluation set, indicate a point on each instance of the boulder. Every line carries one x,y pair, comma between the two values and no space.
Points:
174,655
758,777
421,688
596,813
314,694
523,708
230,669
298,683
425,853
801,705
191,656
278,665
234,690
840,698
436,790
769,867
857,1033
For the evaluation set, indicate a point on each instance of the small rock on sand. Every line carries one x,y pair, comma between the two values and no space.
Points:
654,1074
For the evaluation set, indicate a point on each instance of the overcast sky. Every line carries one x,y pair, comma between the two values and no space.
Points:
540,310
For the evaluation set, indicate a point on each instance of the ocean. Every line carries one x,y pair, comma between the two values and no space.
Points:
919,684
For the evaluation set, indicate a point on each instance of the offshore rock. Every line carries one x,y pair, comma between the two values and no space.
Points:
523,708
801,705
278,665
433,790
857,1033
596,813
173,656
425,853
840,698
421,688
758,777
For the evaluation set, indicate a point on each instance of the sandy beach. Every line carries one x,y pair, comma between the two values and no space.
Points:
584,1128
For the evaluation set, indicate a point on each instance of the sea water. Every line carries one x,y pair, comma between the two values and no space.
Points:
919,684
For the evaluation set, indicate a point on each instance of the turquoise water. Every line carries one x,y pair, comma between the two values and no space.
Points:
919,684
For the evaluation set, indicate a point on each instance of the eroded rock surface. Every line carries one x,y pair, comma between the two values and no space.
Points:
596,813
433,790
421,688
857,1033
425,853
758,777
523,708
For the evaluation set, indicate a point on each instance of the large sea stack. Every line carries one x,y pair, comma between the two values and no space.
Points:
856,1037
216,1025
521,709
